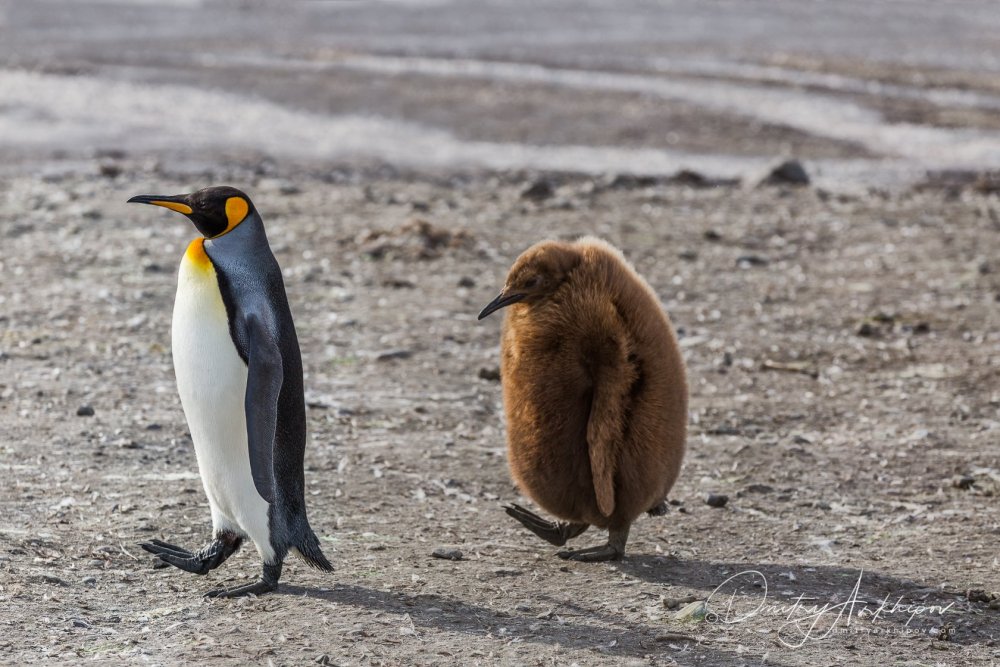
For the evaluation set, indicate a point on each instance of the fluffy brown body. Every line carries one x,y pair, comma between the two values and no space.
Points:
594,389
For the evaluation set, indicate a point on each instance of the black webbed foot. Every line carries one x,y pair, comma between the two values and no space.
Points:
268,583
208,558
553,532
613,550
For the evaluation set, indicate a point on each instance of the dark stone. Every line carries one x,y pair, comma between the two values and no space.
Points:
789,172
716,500
85,411
540,190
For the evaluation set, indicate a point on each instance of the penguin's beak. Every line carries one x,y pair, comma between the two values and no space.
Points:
173,202
502,301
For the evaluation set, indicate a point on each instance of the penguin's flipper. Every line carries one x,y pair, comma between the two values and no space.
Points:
616,379
264,378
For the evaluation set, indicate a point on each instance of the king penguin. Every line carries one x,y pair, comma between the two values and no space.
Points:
594,391
239,376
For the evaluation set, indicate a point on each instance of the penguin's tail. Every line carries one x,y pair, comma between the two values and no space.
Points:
308,546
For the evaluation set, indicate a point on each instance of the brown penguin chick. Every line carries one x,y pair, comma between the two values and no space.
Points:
594,392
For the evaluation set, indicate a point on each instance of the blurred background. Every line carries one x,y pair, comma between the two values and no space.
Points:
865,93
842,336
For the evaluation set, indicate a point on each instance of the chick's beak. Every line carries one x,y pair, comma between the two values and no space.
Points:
502,301
173,202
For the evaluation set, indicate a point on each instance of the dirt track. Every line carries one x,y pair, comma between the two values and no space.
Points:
845,373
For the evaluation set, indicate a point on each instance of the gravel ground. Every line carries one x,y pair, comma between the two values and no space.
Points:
844,360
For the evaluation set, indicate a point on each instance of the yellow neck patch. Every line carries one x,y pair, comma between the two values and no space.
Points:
174,206
236,211
197,256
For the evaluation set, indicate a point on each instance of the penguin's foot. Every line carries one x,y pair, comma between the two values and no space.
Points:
208,558
660,509
553,532
268,583
613,550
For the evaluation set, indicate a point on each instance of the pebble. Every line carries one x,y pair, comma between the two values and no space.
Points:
538,191
394,354
789,172
85,411
491,374
964,482
716,500
447,554
80,623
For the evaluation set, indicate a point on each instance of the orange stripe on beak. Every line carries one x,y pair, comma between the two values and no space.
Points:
173,206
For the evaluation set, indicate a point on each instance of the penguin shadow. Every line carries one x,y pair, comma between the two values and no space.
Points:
430,610
770,591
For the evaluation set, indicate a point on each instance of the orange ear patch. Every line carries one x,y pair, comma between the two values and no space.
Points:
196,254
236,210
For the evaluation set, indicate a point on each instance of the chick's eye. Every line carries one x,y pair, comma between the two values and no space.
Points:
532,282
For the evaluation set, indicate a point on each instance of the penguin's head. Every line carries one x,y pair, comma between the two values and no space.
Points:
536,274
214,211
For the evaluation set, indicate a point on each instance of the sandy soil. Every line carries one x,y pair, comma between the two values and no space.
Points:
845,377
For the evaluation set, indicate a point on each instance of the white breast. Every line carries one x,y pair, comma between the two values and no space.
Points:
212,381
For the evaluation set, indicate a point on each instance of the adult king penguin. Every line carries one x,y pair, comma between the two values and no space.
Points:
239,375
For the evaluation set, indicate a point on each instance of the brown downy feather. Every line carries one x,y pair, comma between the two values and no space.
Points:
593,382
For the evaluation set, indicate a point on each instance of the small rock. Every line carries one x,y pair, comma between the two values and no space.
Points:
491,374
746,261
688,255
447,554
865,330
110,169
978,595
712,235
964,482
674,603
789,172
631,182
85,411
466,281
90,580
80,623
540,190
716,500
690,178
388,355
695,611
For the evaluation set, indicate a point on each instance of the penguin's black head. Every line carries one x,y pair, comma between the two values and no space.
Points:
214,211
537,273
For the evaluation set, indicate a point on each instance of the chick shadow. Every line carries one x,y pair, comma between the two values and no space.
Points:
773,588
452,615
